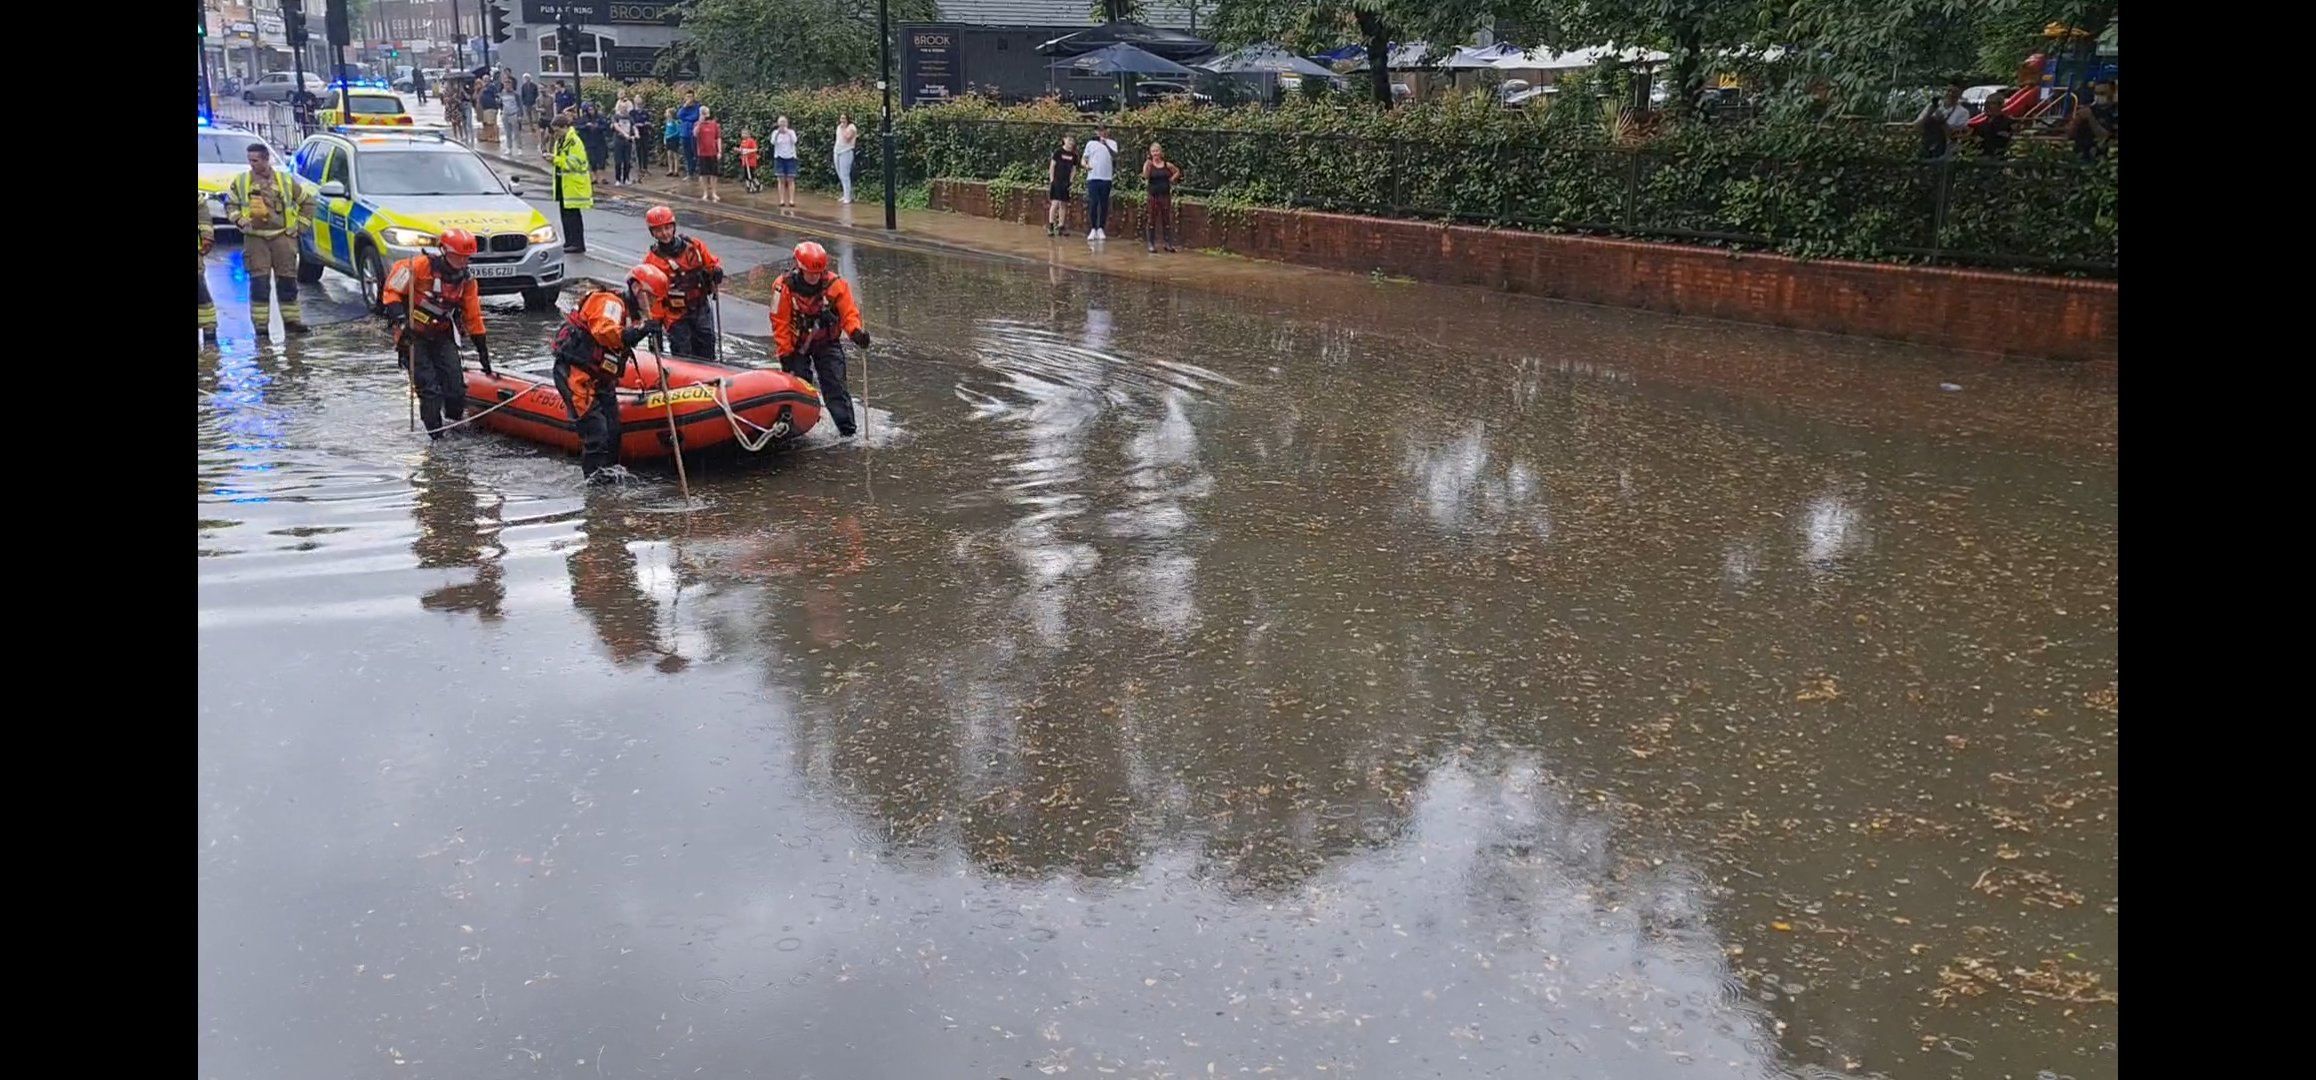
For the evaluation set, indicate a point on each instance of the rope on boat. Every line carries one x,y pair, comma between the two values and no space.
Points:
765,435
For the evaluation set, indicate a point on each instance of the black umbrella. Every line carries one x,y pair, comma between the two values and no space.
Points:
1122,60
1171,44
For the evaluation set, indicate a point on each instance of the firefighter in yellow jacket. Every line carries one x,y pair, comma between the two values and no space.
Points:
271,207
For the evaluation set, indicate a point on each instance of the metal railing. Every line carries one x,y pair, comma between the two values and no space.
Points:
275,122
2015,212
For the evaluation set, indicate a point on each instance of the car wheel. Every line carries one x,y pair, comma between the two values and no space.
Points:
541,299
372,276
248,98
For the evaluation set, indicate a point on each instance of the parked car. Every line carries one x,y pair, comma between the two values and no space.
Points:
279,85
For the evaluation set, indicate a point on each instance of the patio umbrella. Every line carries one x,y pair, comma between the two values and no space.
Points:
1171,44
1408,57
1122,60
1266,57
1480,58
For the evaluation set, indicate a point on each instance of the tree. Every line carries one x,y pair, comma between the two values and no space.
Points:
1314,25
772,44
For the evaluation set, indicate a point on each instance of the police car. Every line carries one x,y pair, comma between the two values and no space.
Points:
387,193
222,154
363,108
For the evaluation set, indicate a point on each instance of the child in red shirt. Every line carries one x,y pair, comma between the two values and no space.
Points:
748,152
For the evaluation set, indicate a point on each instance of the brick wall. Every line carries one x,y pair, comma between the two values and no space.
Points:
2011,314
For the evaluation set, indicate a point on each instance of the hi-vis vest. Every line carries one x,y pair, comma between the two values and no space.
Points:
266,218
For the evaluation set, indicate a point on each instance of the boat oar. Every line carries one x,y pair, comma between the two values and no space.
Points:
410,377
675,437
718,296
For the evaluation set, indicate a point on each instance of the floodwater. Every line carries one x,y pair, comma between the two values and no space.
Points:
1181,681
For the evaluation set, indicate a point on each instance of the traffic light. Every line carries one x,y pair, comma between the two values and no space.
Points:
337,22
293,23
203,25
499,32
567,33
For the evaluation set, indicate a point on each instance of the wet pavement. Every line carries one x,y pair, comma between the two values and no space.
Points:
1232,676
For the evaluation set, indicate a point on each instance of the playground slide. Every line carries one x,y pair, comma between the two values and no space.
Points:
2020,101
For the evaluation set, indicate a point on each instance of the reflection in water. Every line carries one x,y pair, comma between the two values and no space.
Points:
1831,530
1140,719
454,533
251,426
610,584
1462,491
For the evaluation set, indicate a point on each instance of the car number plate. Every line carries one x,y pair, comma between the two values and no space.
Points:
493,271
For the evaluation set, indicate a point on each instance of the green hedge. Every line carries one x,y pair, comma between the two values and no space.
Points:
1820,191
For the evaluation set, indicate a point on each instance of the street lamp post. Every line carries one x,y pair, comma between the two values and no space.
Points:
885,83
201,45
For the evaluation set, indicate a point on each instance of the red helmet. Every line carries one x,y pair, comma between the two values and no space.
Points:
811,257
652,280
459,242
658,216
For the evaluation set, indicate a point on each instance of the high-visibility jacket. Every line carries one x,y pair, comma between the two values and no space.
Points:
805,318
292,204
208,227
431,306
574,180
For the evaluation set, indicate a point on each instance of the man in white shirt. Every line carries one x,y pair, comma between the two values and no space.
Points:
1944,123
1100,155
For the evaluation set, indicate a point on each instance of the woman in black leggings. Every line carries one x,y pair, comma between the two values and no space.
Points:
1158,219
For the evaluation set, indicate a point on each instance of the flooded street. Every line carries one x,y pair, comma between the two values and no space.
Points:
1231,677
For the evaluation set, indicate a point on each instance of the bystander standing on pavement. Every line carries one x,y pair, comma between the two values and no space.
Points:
784,160
595,135
487,111
1100,156
452,93
418,83
527,96
687,115
623,142
1057,188
847,136
565,100
708,147
645,135
671,133
1160,175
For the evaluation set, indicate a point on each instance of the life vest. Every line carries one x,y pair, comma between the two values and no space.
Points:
435,308
575,343
687,275
813,318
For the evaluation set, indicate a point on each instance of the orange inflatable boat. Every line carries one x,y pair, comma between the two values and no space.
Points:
716,406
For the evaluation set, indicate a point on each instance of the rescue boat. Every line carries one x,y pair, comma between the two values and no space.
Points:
716,406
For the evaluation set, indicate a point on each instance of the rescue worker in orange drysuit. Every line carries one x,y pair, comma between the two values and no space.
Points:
592,349
428,299
693,274
811,310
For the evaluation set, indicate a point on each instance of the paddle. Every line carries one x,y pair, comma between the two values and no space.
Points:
674,436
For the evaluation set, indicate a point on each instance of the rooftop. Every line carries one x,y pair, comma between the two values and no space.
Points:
1170,14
